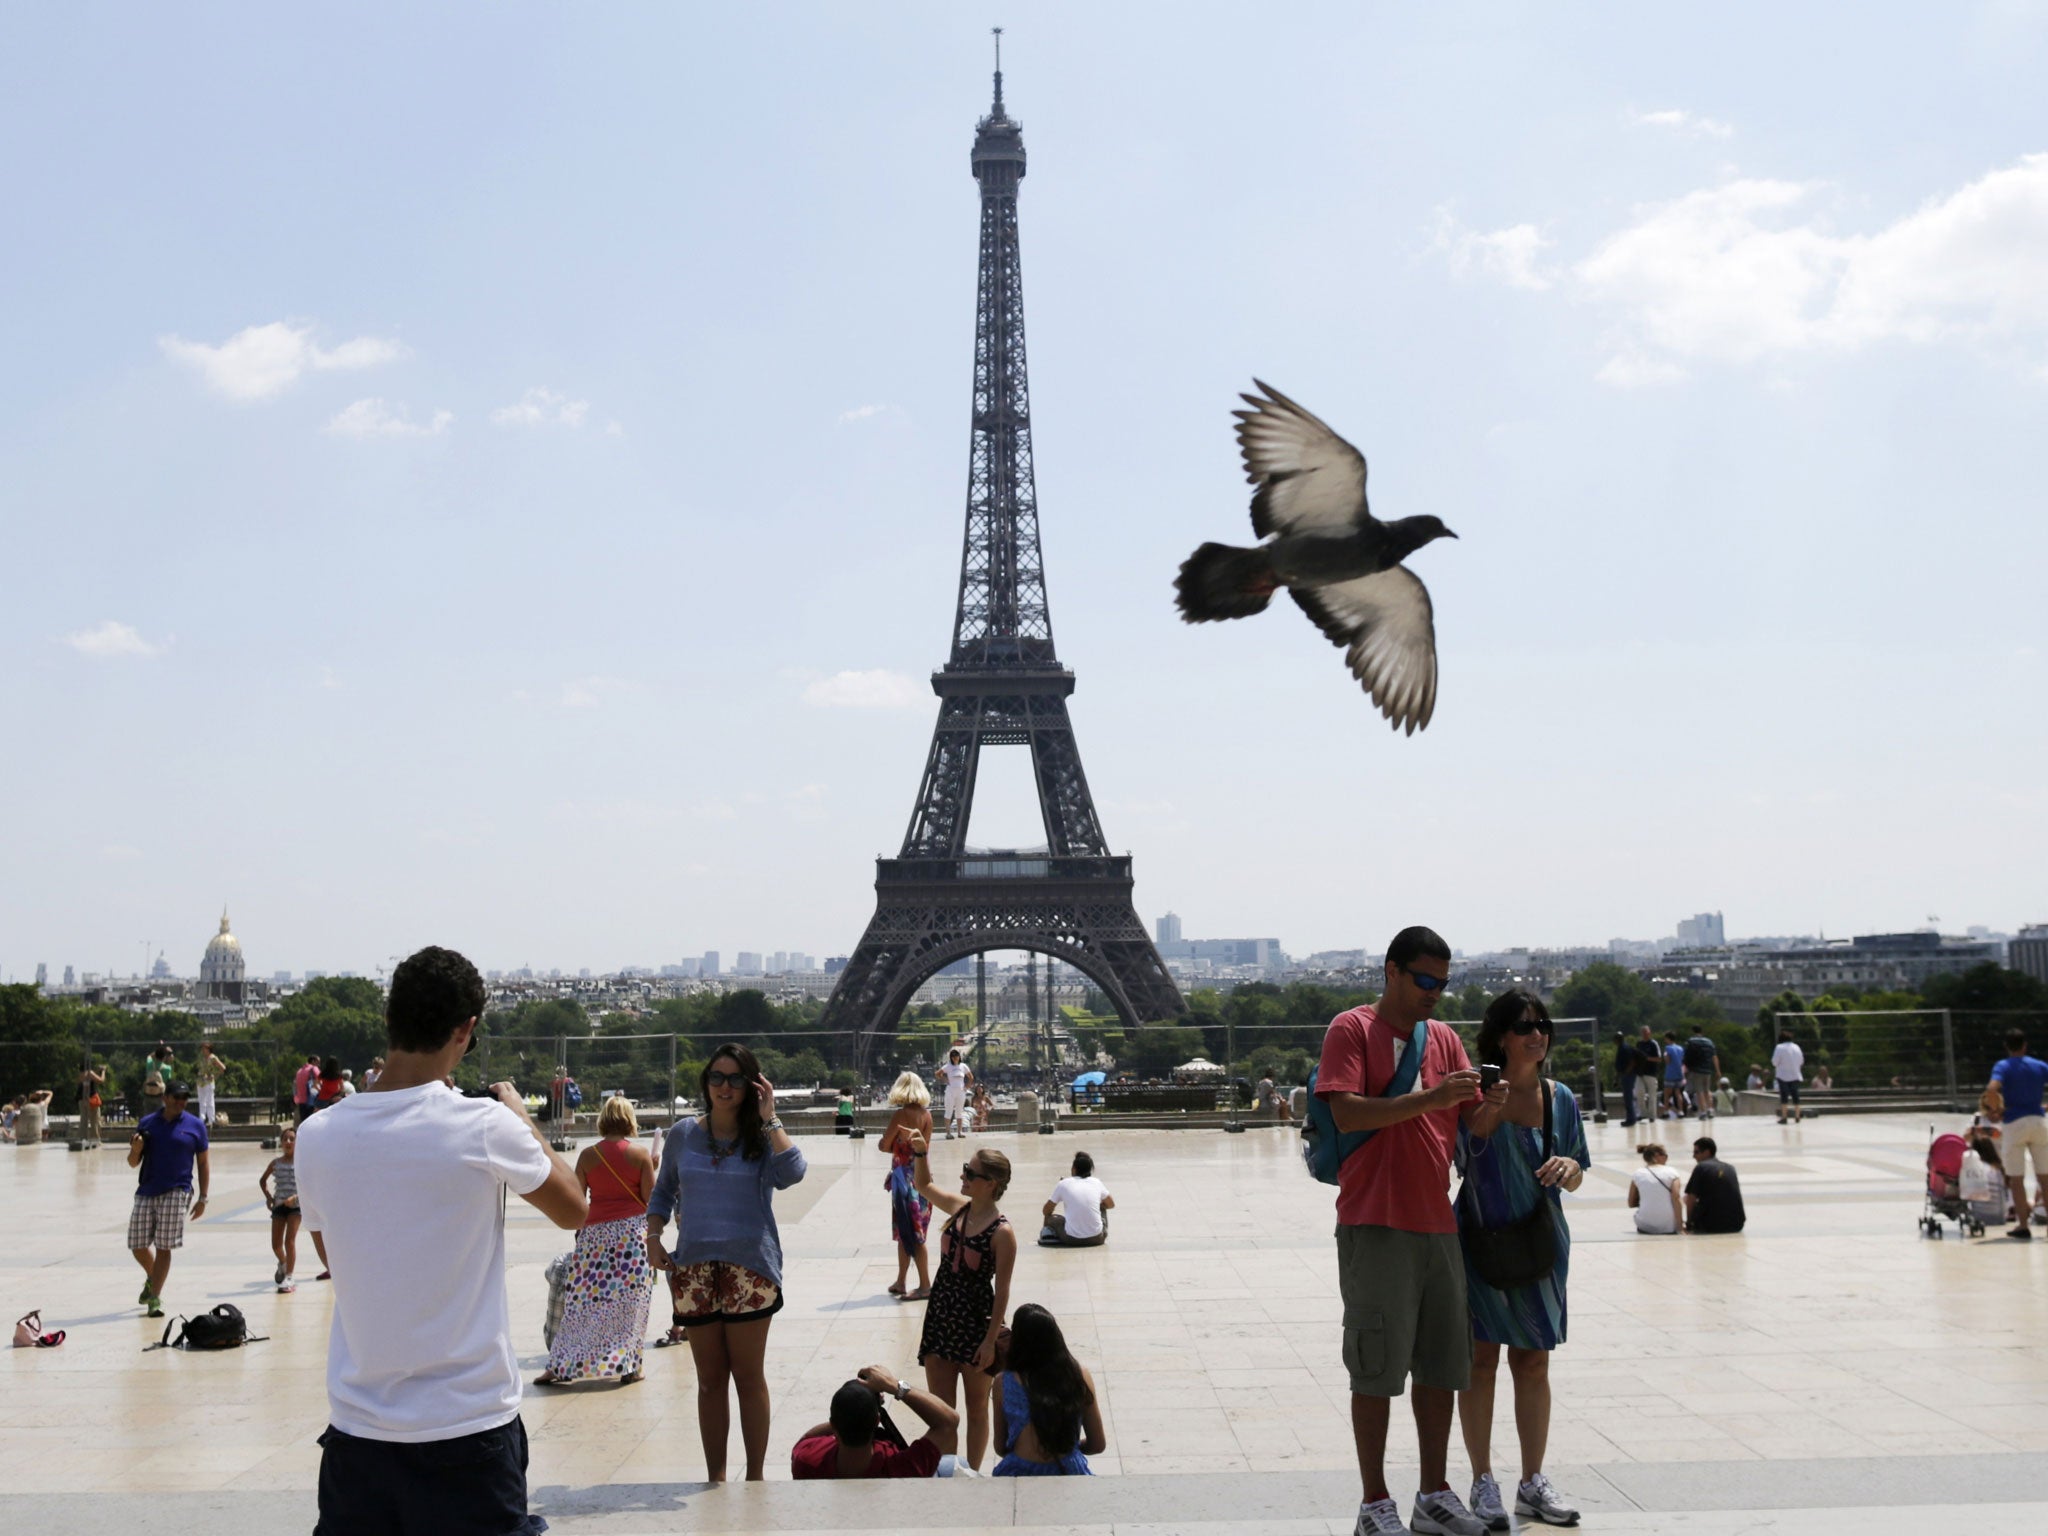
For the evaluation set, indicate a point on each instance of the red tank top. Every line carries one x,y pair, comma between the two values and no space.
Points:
614,1184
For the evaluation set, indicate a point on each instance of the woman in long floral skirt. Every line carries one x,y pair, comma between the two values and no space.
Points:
604,1314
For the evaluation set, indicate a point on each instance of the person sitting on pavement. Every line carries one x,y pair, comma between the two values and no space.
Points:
854,1443
1713,1194
1077,1215
1653,1194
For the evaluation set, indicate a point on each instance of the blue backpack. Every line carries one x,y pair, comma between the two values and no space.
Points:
1323,1147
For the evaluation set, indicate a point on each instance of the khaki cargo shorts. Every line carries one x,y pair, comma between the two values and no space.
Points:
1404,1310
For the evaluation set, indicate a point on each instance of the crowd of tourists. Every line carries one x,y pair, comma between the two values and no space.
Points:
423,1383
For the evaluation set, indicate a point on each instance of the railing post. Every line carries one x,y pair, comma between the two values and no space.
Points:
1233,1120
1948,1051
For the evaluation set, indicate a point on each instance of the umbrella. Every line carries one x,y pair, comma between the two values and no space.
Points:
1091,1079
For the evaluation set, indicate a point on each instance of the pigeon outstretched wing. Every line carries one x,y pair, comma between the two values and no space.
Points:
1388,629
1310,480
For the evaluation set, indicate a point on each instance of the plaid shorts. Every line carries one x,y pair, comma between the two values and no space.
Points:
158,1221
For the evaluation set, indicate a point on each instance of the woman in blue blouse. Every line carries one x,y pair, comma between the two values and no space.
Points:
1508,1169
722,1170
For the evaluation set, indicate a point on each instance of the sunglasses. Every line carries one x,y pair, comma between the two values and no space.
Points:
969,1171
1427,983
718,1079
1530,1026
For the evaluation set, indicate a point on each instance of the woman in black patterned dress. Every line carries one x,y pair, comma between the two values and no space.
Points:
971,1292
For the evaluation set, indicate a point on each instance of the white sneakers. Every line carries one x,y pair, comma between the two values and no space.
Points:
1537,1500
1441,1514
1486,1503
1382,1517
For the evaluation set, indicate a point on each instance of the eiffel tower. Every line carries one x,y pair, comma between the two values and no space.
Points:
939,900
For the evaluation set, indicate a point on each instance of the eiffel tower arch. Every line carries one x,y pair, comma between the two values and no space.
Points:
939,900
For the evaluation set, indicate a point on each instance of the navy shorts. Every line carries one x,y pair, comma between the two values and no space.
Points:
472,1485
1788,1092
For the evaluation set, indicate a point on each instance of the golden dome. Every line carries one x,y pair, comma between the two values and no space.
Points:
223,943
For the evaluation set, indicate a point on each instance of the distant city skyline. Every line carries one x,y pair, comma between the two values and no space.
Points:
517,505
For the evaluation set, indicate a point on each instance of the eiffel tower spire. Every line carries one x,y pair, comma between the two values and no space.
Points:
1002,685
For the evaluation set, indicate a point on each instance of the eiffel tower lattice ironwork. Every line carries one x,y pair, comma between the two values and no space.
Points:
939,901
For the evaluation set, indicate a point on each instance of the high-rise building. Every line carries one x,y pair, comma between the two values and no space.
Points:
42,974
1703,930
748,964
778,962
2029,954
710,962
70,977
1168,928
800,962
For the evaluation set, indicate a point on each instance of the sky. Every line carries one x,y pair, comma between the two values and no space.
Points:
492,474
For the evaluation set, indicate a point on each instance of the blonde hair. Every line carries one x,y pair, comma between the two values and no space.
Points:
997,1166
910,1089
616,1118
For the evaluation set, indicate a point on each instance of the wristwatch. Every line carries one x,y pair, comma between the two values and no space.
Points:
772,1125
902,1391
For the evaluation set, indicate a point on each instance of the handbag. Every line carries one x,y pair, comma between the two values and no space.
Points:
28,1333
1525,1250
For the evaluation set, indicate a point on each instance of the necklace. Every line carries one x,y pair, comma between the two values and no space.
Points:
720,1150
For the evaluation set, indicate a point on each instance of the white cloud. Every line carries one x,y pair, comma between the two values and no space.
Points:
1754,270
879,689
862,412
1506,255
375,417
113,639
591,692
264,360
1679,121
542,408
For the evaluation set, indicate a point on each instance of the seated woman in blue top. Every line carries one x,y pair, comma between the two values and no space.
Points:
1048,1421
721,1170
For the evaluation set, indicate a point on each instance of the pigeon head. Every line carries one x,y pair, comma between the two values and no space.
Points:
1411,533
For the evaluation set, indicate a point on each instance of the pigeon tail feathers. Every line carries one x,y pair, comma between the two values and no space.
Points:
1220,581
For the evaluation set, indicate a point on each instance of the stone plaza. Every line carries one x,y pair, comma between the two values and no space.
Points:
1827,1370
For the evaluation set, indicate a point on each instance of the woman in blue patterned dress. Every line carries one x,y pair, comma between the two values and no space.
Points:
1508,1168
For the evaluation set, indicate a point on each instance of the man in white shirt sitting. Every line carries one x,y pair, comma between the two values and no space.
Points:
1077,1215
406,1184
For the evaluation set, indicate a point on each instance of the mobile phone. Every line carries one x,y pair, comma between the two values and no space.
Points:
1489,1074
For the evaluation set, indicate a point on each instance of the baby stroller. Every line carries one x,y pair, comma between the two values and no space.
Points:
1944,1189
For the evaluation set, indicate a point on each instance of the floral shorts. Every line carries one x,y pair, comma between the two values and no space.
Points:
717,1292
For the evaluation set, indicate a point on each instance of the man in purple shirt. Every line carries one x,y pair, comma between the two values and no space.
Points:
167,1146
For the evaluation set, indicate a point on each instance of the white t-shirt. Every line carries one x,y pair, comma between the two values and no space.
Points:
1788,1063
407,1187
955,1074
1081,1201
1653,1199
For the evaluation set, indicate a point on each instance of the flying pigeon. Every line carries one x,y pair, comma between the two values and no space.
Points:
1338,561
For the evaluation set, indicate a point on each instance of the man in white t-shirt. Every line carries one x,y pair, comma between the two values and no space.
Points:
406,1185
1788,1066
1077,1215
957,1076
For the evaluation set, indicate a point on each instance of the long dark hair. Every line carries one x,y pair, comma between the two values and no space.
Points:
1502,1014
753,1140
1059,1395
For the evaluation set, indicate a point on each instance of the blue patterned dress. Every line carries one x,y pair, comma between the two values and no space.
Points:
1500,1174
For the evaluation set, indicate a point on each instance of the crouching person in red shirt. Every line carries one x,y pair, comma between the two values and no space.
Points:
858,1442
1399,1265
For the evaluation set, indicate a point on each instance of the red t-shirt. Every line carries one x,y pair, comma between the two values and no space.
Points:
1402,1177
819,1457
301,1093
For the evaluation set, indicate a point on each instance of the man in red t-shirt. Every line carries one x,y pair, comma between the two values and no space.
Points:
1398,1261
304,1082
846,1445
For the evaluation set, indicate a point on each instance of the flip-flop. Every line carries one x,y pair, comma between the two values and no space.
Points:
922,1293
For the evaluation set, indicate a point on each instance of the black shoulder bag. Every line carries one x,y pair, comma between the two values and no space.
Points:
1523,1251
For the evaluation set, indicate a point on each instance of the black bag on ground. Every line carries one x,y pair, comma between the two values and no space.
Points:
1523,1251
222,1328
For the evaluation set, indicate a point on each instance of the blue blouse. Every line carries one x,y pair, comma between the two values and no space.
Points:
724,1207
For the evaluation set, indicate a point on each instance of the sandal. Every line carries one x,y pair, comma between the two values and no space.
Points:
548,1379
922,1293
896,1289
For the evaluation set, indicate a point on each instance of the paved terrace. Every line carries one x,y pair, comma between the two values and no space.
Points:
1814,1374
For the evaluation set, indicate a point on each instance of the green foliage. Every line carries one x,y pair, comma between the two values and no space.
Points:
1157,1049
37,1047
339,1016
538,1018
1618,998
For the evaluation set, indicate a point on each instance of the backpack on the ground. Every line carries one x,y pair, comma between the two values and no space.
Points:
1699,1054
1324,1148
222,1328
